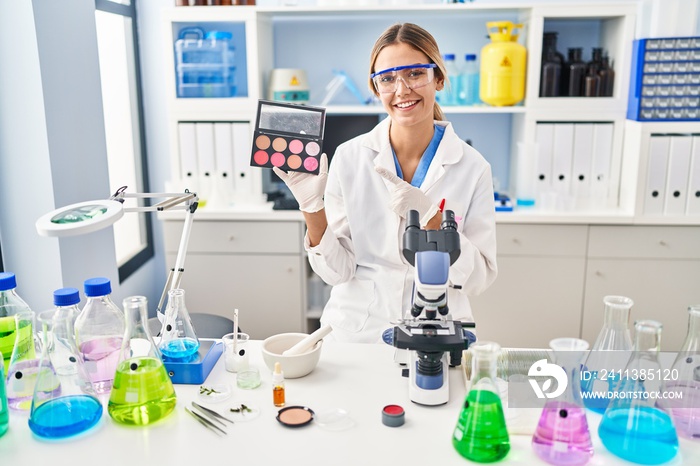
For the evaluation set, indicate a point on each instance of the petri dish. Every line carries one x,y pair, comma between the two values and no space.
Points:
243,412
214,393
295,416
334,419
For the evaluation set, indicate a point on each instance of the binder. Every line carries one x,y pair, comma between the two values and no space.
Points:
206,159
247,179
223,149
188,155
600,166
543,159
693,203
581,167
677,175
562,157
655,188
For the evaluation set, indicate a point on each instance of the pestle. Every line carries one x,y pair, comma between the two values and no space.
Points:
308,342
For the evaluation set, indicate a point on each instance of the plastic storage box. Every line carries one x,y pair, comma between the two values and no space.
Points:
204,63
665,80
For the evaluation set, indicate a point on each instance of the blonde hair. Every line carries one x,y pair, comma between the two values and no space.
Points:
419,39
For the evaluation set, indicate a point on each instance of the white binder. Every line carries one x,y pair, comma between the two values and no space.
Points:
602,159
543,158
677,175
247,179
581,167
693,204
188,156
562,157
206,159
223,149
656,175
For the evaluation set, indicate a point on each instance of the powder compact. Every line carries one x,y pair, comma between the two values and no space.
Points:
288,136
295,416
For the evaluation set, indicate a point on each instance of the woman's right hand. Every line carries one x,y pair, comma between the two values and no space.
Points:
307,189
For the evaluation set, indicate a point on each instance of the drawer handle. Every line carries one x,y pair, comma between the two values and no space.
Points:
598,273
290,269
663,243
231,238
516,241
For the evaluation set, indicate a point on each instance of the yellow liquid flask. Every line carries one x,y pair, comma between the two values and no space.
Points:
64,402
502,78
633,427
142,392
178,341
24,363
481,434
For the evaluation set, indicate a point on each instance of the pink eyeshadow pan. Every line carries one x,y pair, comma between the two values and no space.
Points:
313,148
311,164
296,146
277,159
260,157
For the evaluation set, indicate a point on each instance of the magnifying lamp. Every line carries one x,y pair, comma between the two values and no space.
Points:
90,216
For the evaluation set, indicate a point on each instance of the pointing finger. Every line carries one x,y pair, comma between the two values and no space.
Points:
387,175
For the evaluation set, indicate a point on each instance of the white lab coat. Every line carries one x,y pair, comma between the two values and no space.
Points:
360,251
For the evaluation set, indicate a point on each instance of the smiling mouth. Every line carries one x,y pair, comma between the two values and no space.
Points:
405,105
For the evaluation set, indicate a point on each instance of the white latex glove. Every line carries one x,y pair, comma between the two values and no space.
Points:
307,189
405,197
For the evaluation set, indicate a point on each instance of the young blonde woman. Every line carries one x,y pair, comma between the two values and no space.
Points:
356,212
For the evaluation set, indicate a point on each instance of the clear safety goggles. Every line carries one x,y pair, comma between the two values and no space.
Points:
413,77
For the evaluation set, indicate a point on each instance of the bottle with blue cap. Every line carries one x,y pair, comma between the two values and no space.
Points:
469,81
66,301
99,331
449,95
10,305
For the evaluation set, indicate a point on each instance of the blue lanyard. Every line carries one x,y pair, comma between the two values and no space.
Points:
425,159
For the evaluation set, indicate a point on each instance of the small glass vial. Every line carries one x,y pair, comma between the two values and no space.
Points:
278,386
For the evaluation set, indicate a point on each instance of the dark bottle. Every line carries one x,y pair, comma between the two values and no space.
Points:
551,76
607,78
576,73
549,43
592,85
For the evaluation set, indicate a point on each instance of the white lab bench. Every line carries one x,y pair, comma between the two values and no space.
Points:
359,378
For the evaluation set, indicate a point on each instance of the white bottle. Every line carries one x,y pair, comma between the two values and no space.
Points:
469,81
66,301
449,94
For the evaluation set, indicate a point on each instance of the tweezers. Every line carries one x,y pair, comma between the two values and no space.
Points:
205,422
212,413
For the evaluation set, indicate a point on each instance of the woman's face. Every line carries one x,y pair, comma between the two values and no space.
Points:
407,107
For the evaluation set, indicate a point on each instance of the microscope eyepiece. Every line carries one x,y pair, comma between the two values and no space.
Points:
448,221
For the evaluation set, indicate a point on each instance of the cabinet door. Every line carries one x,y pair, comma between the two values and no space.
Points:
266,290
534,300
661,290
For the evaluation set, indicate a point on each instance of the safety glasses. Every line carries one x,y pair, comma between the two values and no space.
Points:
413,77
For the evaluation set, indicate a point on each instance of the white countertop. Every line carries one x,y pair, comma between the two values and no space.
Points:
360,378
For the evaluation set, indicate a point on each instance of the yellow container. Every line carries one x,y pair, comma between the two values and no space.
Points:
503,65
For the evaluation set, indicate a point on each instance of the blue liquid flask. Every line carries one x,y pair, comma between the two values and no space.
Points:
73,408
632,427
178,342
609,355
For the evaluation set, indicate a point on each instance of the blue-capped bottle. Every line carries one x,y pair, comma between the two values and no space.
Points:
99,331
469,81
10,305
449,95
66,301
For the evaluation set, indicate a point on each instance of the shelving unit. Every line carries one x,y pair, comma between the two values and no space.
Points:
319,39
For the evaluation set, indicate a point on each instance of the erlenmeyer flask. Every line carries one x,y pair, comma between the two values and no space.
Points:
142,392
178,342
684,383
609,354
24,363
64,402
10,305
562,436
4,415
632,427
481,434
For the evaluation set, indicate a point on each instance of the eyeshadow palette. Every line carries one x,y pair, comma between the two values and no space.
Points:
288,136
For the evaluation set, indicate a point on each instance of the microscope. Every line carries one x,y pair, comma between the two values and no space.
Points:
434,341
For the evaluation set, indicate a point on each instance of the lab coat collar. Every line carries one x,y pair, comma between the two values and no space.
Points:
449,151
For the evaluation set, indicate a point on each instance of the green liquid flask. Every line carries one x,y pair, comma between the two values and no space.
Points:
4,415
10,305
142,392
481,434
633,427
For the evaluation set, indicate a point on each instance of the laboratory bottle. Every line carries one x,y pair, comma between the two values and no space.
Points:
178,341
562,436
551,75
99,330
66,301
10,304
549,43
633,427
278,395
592,85
683,381
449,95
502,70
469,81
609,354
24,363
64,403
4,412
142,392
607,77
481,434
575,73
